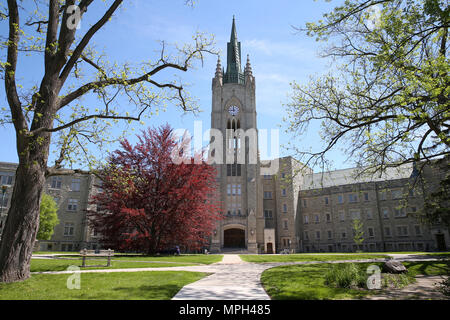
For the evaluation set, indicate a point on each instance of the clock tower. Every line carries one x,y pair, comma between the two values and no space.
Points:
234,116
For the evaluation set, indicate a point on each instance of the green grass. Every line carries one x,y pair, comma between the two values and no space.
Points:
41,265
122,262
153,285
308,257
307,282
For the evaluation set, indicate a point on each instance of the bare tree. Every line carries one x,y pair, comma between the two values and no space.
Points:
54,106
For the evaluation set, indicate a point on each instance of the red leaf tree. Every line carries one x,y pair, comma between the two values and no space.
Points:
149,203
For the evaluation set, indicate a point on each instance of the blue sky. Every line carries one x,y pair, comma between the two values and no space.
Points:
278,54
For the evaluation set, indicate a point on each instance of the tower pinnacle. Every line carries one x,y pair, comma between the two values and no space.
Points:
234,73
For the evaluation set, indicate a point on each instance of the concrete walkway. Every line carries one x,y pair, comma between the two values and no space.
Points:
233,279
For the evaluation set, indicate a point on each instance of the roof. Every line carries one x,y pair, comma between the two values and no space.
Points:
350,176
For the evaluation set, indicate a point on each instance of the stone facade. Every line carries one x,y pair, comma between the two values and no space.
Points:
72,194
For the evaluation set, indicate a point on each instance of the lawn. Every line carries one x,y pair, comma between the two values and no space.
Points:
122,262
155,285
307,282
308,257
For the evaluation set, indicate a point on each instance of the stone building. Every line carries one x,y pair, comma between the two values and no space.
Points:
301,211
269,211
385,205
72,194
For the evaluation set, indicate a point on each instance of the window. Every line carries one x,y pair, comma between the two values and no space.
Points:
413,209
399,212
342,215
56,182
6,178
233,170
75,185
229,189
355,214
382,195
418,230
352,198
4,201
283,175
267,195
306,235
343,234
285,224
385,212
328,217
284,207
268,214
283,192
72,205
267,177
387,231
69,229
369,215
326,201
371,232
340,199
402,231
306,219
318,235
366,196
304,203
396,194
316,218
330,234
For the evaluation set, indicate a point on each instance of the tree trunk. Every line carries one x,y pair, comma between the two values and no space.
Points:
22,223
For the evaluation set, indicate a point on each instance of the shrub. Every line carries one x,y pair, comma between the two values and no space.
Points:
346,276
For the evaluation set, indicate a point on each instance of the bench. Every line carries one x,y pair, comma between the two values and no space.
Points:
92,254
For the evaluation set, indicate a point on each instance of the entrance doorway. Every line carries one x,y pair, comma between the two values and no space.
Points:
269,248
440,240
234,238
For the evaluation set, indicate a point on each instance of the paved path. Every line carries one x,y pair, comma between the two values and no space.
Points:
233,279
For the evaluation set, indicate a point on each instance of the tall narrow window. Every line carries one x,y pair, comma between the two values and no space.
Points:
56,182
75,185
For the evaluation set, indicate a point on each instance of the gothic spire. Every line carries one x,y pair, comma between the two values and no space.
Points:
234,73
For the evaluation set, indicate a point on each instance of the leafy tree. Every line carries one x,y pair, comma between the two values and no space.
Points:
358,232
149,202
387,101
436,208
72,71
48,217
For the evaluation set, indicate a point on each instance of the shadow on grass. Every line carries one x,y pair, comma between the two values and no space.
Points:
146,292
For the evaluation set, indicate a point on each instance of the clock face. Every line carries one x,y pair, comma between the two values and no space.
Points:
233,110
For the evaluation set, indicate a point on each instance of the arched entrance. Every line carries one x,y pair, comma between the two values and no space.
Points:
234,238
